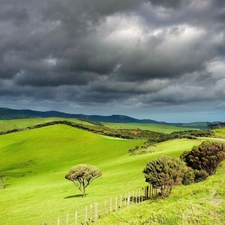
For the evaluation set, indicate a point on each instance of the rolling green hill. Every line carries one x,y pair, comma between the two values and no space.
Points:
36,161
162,128
23,123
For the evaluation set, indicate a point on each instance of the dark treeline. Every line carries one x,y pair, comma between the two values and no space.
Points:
216,125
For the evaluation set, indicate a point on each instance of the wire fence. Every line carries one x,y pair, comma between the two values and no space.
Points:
96,211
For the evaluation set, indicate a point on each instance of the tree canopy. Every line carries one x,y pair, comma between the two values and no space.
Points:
207,156
164,173
82,175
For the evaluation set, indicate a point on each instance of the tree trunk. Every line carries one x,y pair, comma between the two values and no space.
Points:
84,192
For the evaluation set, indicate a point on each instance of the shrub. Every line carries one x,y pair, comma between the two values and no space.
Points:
200,175
189,177
207,156
164,173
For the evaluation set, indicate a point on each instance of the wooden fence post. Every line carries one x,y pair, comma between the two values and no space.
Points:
58,221
136,197
139,195
147,192
67,219
125,203
105,208
96,211
110,206
75,218
128,199
120,201
116,203
85,215
90,212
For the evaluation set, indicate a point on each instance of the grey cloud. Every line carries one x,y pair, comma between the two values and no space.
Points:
53,79
17,16
171,3
138,52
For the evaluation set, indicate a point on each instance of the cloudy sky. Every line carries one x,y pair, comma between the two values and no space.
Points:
156,59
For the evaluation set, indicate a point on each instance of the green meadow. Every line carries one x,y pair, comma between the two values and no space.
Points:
36,161
23,123
162,128
220,133
196,204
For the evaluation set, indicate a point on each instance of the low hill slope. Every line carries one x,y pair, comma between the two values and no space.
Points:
162,128
197,204
6,125
36,161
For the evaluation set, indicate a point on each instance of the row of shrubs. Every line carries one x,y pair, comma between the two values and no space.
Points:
160,137
192,134
192,166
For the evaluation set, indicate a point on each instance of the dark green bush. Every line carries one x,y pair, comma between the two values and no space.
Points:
164,173
207,156
189,177
200,175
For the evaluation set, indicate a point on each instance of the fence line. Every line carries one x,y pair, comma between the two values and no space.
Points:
97,211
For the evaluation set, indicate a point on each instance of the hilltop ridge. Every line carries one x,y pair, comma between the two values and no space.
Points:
9,114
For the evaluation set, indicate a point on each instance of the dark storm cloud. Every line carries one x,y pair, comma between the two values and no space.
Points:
131,51
17,16
166,3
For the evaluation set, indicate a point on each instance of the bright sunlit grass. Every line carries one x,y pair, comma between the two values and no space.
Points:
162,128
36,161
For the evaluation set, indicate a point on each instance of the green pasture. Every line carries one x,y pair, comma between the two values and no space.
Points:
220,132
36,161
23,123
202,203
161,128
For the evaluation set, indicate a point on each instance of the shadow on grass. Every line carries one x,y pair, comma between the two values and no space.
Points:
74,196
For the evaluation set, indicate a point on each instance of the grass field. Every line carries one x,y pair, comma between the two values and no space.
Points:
197,204
162,128
36,161
220,132
23,123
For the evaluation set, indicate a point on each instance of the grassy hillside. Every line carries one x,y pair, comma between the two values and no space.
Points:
36,161
200,125
220,132
23,123
197,204
162,128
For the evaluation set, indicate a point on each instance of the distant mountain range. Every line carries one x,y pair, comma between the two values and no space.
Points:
8,114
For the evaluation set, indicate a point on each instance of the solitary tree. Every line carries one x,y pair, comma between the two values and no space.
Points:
82,175
164,173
